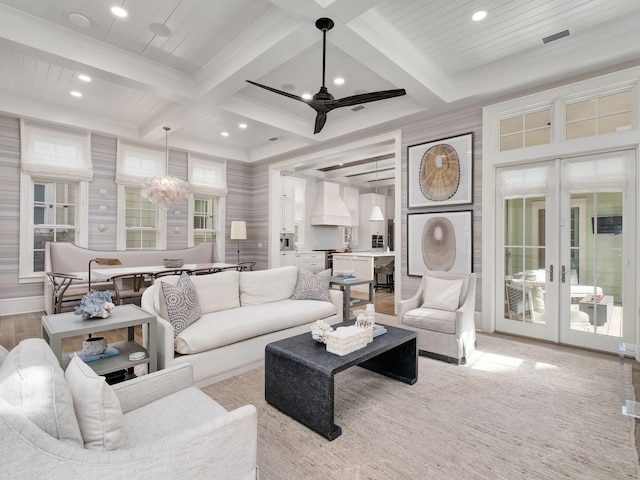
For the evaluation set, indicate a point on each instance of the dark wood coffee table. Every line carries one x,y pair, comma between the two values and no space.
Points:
299,373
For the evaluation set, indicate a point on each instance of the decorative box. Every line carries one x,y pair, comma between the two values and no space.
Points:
345,340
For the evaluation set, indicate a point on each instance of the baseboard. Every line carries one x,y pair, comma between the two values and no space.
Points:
16,306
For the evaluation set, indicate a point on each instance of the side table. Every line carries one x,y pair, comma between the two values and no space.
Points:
55,327
348,302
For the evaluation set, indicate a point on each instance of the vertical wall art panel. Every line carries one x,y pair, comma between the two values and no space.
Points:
441,172
440,242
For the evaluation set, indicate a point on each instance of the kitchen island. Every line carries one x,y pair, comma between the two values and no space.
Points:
361,264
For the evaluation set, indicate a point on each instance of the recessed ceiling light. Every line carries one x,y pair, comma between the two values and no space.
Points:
479,15
225,134
242,125
75,93
159,29
119,11
307,96
79,20
338,81
84,78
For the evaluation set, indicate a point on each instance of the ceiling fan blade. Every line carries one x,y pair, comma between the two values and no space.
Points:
367,97
321,119
280,92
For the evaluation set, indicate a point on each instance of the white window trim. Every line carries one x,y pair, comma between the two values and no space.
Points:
121,236
25,262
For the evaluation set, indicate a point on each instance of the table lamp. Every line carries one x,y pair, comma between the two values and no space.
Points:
238,232
102,261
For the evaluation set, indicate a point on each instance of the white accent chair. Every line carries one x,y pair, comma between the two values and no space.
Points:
442,314
171,429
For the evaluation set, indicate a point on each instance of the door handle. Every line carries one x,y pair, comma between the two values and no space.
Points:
563,275
551,273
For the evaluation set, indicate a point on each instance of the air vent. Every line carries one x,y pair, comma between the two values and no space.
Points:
355,109
555,36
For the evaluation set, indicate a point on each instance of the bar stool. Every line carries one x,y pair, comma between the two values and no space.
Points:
387,271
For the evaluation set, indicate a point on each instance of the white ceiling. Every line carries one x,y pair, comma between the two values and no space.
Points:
194,80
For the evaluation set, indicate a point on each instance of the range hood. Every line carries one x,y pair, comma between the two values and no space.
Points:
328,207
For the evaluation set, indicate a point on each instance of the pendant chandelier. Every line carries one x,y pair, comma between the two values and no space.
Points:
165,191
376,212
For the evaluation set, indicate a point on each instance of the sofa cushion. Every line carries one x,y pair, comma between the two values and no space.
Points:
179,303
32,381
264,286
431,319
312,286
97,407
189,406
442,294
218,291
217,329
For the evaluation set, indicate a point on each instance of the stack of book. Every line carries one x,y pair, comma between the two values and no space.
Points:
109,352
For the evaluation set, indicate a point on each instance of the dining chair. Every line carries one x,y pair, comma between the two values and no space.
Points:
130,286
205,271
177,271
246,266
62,293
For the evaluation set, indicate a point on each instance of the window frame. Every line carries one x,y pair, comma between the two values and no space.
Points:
161,221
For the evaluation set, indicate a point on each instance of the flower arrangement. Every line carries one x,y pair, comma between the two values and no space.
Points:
95,305
320,331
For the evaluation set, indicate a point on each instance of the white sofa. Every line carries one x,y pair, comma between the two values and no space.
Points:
241,313
43,431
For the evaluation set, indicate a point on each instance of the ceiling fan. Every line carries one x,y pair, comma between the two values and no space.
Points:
323,102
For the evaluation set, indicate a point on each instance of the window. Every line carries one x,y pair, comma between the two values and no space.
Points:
141,226
208,183
598,115
55,167
525,130
349,235
204,219
54,217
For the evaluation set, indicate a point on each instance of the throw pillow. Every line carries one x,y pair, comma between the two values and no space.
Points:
312,286
442,294
97,407
181,303
32,381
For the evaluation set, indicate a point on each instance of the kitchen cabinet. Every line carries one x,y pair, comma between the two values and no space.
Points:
287,258
287,215
312,261
367,229
288,187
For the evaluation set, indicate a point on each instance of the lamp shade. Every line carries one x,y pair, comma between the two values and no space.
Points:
376,215
238,230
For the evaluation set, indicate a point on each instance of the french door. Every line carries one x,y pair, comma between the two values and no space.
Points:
566,260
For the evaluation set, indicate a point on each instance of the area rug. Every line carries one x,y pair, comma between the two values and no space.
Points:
518,410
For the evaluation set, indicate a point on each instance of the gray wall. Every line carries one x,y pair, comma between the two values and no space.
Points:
242,182
447,125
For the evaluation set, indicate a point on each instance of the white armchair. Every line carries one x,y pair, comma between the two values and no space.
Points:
442,314
173,430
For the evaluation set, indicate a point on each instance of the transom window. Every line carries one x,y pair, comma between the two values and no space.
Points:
525,130
598,115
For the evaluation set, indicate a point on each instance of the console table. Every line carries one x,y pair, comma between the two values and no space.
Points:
299,373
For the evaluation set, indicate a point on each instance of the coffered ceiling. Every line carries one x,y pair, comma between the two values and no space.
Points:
183,63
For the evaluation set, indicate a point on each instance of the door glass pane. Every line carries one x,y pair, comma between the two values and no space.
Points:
596,263
525,239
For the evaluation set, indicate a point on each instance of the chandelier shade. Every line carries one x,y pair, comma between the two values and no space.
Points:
165,191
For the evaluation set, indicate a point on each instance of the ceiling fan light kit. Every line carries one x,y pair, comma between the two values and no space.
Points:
323,102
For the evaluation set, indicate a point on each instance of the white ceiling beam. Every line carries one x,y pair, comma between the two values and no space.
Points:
120,66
